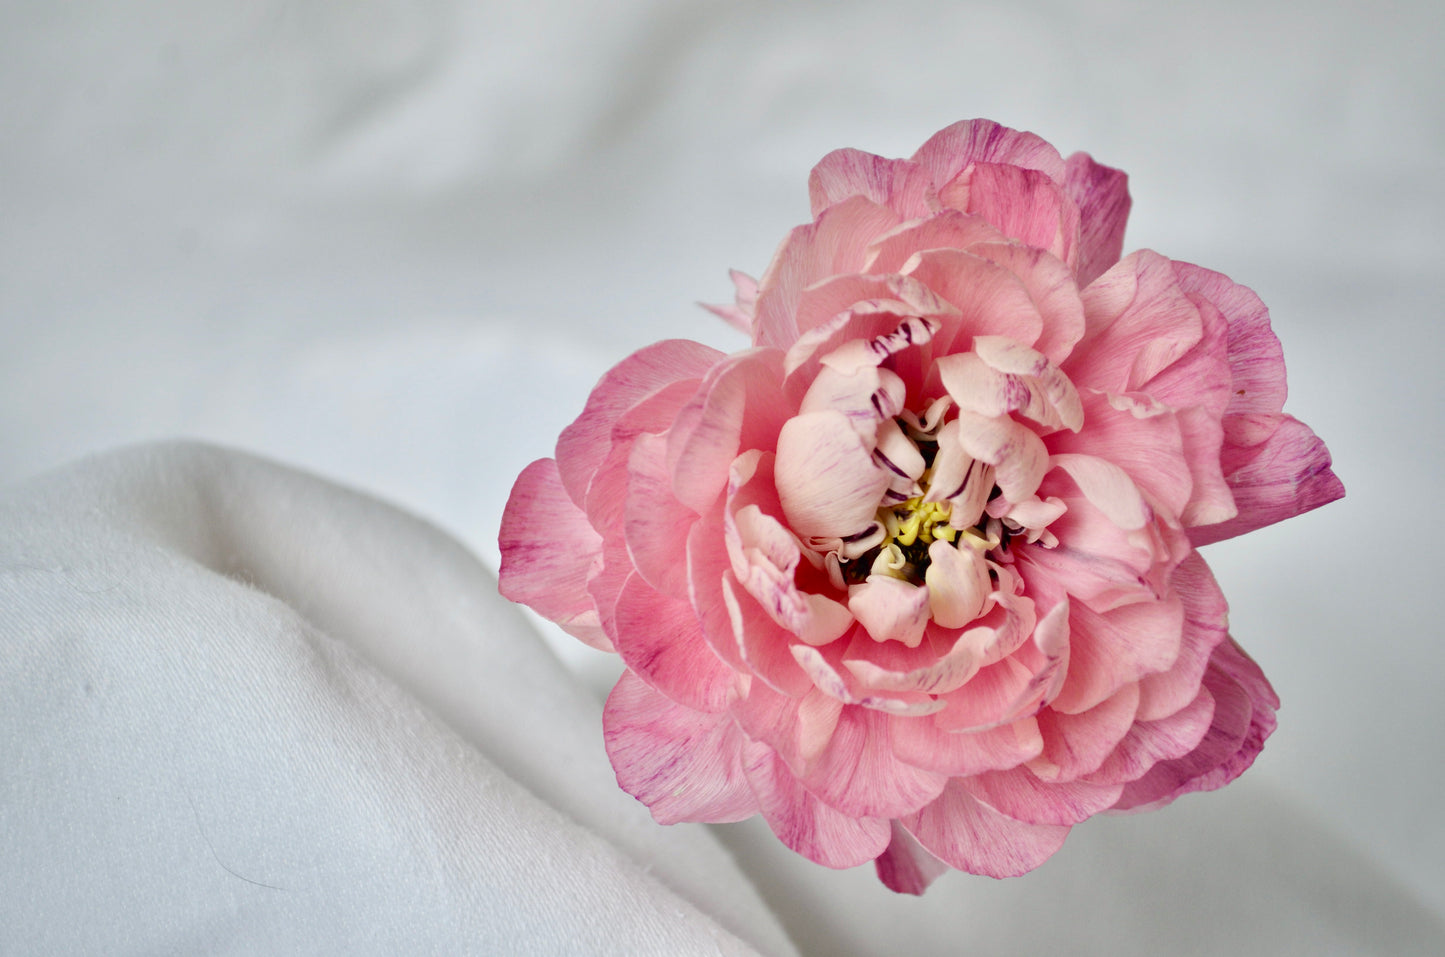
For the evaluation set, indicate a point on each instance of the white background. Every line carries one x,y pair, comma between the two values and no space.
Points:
396,243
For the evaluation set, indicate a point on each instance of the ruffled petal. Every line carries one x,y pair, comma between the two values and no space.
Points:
1102,196
962,831
684,765
905,867
900,185
1020,794
1076,744
660,639
948,151
890,609
826,477
1024,204
548,553
965,753
859,775
808,825
584,444
656,524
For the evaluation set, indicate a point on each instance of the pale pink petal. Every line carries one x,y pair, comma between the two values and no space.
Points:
706,566
958,584
1024,204
825,668
948,151
684,765
905,867
656,524
806,824
1019,794
798,730
947,229
584,444
962,831
1002,692
890,609
943,661
739,406
900,185
897,453
1076,744
1115,648
1107,487
859,775
1150,742
1144,440
1002,376
900,297
607,491
1102,195
1139,323
1015,451
660,639
740,313
988,299
763,644
834,244
826,477
548,553
1285,476
1053,289
867,396
964,753
1206,622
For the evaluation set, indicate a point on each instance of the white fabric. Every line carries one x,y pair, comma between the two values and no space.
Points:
396,243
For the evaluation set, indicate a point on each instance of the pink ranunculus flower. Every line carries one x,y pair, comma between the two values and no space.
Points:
915,577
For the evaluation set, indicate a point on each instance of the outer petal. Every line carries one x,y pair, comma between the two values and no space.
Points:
951,149
1024,204
1102,195
1023,797
656,524
905,867
548,553
806,824
1286,476
900,185
661,640
584,444
859,774
964,753
684,765
961,830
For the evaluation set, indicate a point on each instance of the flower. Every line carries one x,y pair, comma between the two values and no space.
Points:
915,577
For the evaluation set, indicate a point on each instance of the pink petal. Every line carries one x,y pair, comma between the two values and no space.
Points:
958,584
1107,487
1285,476
660,639
741,312
1244,706
656,524
1256,361
836,243
1015,451
1144,440
607,491
1024,204
943,661
1150,742
967,834
1102,195
1019,794
806,824
1002,376
826,477
548,552
988,298
867,396
951,149
706,565
964,753
684,765
797,730
1053,289
584,444
890,609
1139,323
1206,622
1076,744
947,229
763,644
859,775
1111,649
905,867
739,406
900,185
